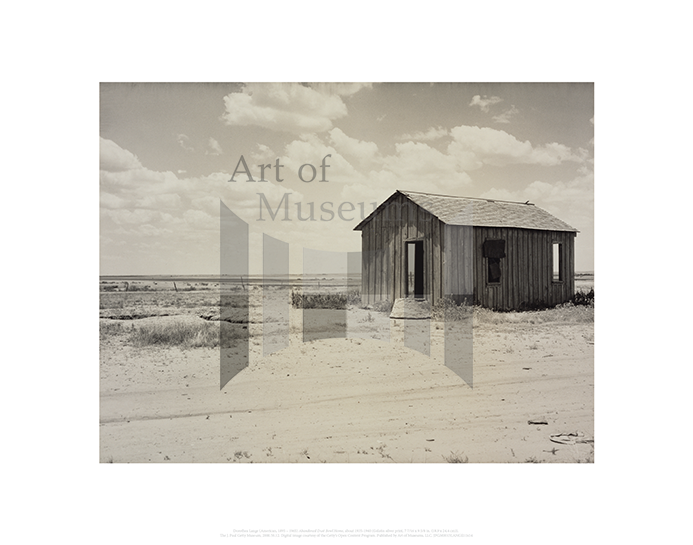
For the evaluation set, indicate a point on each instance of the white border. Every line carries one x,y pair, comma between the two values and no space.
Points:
60,53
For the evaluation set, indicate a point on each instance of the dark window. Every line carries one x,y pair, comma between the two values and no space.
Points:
493,251
494,270
494,248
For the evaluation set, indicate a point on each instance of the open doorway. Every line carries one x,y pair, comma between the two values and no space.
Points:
415,268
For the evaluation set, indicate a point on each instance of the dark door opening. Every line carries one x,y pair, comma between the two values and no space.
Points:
415,269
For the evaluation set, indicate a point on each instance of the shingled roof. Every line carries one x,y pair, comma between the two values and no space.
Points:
480,212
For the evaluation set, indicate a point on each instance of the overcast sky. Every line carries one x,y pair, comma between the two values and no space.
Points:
168,152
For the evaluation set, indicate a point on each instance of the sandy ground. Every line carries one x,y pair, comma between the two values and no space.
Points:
352,400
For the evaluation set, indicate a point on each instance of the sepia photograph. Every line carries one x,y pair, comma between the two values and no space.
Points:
346,273
328,272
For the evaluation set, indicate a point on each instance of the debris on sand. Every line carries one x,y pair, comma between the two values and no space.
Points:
231,315
571,438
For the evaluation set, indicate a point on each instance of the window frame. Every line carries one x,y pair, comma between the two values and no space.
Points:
487,262
561,263
500,265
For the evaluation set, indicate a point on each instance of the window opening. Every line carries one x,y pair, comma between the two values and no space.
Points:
494,270
557,262
493,251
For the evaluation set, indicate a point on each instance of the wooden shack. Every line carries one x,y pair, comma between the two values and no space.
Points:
497,254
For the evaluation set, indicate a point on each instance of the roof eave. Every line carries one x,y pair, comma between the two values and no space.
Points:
363,222
369,217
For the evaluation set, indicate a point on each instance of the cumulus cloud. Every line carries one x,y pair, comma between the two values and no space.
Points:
342,89
484,102
311,150
367,174
286,106
571,194
362,151
473,147
128,180
113,158
416,162
184,142
121,172
263,154
108,200
207,204
153,221
141,202
200,219
137,216
181,213
506,115
161,200
355,162
213,147
143,230
572,201
150,231
431,134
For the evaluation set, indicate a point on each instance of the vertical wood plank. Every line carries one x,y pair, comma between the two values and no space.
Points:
530,269
366,262
541,264
376,263
389,256
399,249
370,263
435,251
509,249
397,226
508,271
379,259
522,266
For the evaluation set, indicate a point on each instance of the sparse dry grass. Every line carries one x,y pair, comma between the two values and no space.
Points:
589,459
583,297
333,301
567,313
382,306
446,310
238,456
456,458
184,334
111,329
157,299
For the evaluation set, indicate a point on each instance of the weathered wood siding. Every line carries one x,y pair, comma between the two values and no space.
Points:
454,263
383,242
526,270
458,270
